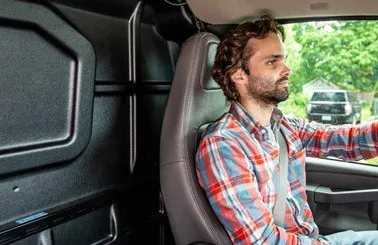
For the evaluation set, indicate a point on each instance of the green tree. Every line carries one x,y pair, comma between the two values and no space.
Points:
343,52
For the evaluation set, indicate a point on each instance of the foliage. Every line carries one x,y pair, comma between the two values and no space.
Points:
373,161
295,106
376,89
343,52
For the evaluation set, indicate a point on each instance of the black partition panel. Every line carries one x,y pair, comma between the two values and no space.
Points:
46,88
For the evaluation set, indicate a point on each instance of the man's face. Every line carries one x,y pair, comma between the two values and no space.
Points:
268,73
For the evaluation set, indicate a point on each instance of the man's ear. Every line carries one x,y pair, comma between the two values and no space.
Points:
239,77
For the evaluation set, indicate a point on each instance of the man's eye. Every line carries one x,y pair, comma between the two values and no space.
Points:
271,62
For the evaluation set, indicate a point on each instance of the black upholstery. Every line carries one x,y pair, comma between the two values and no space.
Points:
195,99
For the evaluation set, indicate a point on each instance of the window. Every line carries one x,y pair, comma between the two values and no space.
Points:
334,71
328,96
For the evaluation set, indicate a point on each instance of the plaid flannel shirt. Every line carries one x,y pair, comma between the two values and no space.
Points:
239,170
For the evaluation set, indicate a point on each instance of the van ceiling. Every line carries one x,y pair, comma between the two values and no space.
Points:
236,11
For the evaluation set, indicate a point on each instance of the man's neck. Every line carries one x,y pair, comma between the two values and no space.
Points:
260,111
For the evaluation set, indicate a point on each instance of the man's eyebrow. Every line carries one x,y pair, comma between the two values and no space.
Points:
277,56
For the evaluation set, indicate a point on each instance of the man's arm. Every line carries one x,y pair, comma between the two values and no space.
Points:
228,178
348,142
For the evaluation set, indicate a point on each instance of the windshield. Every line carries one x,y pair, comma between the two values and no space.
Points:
329,96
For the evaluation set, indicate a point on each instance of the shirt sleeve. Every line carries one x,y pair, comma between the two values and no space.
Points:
347,142
227,175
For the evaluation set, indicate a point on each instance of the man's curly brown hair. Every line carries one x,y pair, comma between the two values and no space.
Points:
233,52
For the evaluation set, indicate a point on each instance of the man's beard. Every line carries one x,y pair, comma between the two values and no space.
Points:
261,90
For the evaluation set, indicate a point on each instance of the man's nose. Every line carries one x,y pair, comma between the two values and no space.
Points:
286,71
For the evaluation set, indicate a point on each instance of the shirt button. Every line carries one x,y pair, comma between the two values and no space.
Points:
263,131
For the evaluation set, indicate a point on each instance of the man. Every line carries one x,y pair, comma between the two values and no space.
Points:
238,156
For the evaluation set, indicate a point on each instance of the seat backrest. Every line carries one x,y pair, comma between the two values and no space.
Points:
195,99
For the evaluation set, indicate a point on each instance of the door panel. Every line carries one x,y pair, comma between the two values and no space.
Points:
342,195
46,91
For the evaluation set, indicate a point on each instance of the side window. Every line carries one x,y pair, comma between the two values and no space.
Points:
334,72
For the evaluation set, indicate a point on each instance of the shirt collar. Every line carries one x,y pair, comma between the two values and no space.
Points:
250,123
